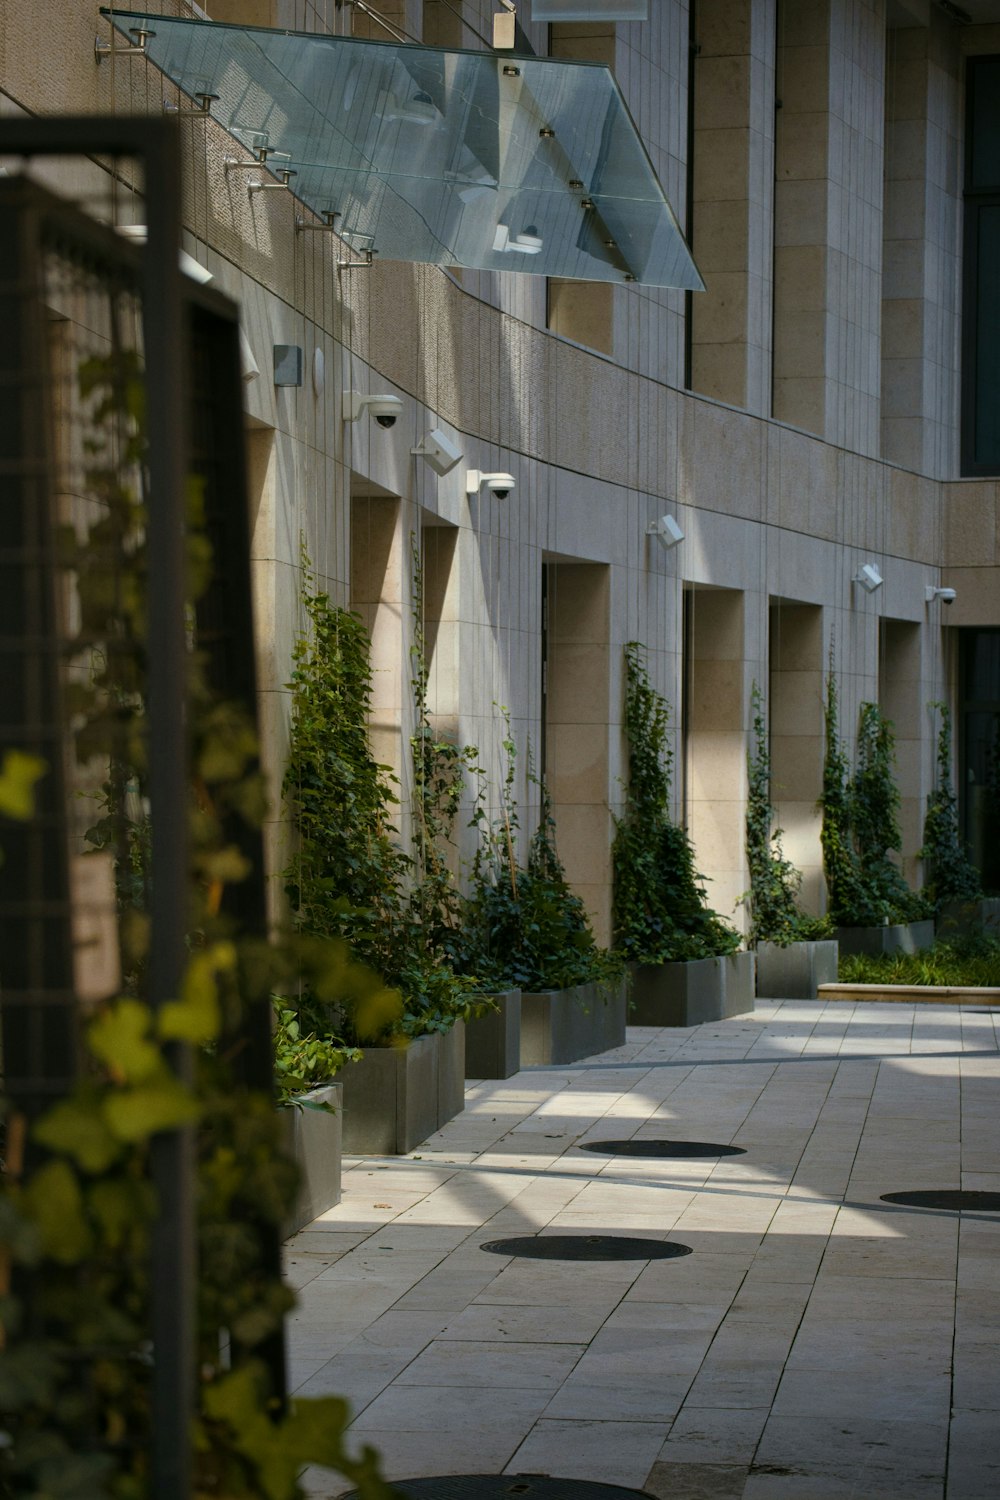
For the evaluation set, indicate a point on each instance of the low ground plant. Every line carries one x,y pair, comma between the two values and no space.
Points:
961,961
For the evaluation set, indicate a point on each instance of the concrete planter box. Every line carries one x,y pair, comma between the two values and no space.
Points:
961,917
560,1026
451,1073
493,1041
795,972
395,1097
900,937
692,991
314,1139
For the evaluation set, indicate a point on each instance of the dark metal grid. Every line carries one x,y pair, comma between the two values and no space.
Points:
33,225
586,1247
660,1148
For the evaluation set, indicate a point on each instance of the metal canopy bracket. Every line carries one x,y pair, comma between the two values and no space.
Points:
431,153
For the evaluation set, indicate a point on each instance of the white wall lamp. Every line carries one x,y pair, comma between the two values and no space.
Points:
946,596
383,406
869,578
139,234
498,484
666,531
438,450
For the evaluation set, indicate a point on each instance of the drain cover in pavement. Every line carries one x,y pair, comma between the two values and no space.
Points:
979,1202
507,1487
660,1148
585,1247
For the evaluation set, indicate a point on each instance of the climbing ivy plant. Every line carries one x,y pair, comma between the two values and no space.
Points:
775,916
660,911
953,877
349,877
525,927
861,824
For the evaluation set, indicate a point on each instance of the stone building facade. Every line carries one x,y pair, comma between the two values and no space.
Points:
806,415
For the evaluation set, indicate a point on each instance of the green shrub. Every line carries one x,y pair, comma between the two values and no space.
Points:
861,826
952,876
961,961
659,906
525,927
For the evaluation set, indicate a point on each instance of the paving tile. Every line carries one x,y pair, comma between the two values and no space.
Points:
668,1480
613,1452
715,1435
510,1365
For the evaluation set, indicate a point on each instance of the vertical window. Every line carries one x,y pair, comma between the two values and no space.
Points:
979,752
981,272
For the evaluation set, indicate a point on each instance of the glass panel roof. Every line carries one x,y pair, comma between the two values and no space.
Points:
493,161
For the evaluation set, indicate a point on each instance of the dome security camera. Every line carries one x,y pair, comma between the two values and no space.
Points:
498,484
947,596
383,406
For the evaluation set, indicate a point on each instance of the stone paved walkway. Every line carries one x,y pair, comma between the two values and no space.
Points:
817,1343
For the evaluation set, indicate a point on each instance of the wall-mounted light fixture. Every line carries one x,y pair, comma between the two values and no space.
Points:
438,450
287,364
249,368
666,531
869,578
498,484
191,267
383,406
946,596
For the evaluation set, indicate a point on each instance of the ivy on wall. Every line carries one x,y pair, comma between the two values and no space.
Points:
660,910
952,875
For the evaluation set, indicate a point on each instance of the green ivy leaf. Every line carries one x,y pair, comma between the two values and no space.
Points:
120,1039
75,1128
136,1114
18,775
196,1016
54,1202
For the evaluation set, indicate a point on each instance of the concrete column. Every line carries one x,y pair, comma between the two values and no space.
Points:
828,218
903,695
795,721
922,237
577,731
716,743
734,201
380,594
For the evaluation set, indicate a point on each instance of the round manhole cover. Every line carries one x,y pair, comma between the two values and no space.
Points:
660,1148
507,1487
585,1247
953,1198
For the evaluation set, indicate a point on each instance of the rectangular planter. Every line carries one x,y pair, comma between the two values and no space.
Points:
493,1041
391,1098
451,1074
959,918
900,937
795,972
559,1026
396,1097
314,1138
692,991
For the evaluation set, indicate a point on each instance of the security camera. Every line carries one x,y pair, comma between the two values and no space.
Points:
498,484
384,407
946,596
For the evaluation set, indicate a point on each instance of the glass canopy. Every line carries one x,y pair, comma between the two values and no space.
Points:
493,161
